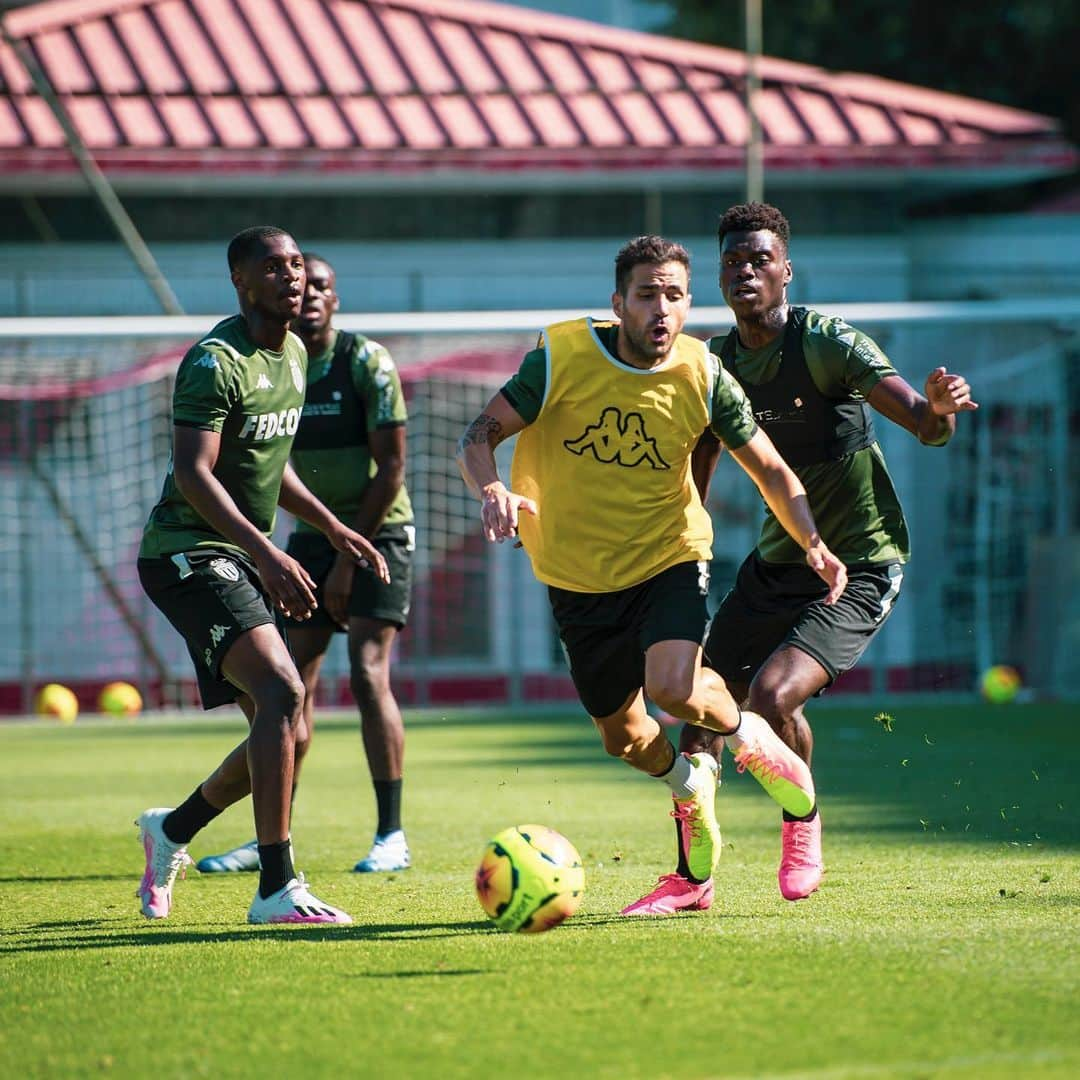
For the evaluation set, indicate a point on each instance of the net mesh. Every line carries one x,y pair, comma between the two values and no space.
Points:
994,517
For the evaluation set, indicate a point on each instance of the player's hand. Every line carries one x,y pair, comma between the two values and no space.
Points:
829,568
360,550
499,510
289,586
948,394
337,589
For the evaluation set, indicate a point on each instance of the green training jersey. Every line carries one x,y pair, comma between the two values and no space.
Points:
340,472
250,396
852,498
732,422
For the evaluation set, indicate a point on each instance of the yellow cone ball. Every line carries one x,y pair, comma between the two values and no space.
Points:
120,699
999,684
57,701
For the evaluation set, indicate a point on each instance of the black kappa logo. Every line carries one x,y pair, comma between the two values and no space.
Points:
619,440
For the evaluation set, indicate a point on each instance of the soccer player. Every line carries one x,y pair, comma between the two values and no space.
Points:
603,497
208,563
350,452
776,639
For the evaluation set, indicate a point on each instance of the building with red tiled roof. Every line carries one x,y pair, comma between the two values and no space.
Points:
422,143
199,94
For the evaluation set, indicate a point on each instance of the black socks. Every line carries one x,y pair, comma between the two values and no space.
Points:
188,818
275,867
388,801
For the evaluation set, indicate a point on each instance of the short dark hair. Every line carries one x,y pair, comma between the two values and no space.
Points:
314,256
751,217
648,250
247,242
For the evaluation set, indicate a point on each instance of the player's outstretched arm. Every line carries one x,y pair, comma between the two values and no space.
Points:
499,507
786,496
300,502
931,419
195,453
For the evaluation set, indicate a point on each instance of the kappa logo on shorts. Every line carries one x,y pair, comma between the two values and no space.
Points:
225,568
703,577
619,440
217,633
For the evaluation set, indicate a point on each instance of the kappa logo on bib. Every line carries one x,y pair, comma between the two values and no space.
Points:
225,568
619,440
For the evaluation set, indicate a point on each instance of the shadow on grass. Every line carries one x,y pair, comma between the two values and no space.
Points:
117,933
65,879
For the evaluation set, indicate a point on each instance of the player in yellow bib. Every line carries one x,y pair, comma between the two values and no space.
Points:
603,499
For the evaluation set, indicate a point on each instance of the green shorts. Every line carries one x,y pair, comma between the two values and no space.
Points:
211,596
780,604
605,635
371,598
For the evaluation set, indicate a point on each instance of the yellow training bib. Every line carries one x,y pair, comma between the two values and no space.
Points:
608,462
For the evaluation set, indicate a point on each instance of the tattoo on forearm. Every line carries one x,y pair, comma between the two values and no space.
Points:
484,429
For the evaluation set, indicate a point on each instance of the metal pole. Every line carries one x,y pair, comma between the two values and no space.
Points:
755,157
95,178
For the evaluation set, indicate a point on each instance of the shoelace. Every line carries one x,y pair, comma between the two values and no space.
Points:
759,763
690,820
800,840
667,879
166,868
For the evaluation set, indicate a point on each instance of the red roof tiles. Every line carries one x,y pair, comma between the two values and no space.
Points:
385,85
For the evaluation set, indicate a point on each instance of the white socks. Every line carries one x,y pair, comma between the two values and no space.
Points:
684,780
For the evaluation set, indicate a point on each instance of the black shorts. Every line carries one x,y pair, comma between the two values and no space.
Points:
211,597
371,598
774,604
605,635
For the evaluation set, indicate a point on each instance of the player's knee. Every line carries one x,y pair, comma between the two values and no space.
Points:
676,696
281,697
303,738
620,741
776,702
368,679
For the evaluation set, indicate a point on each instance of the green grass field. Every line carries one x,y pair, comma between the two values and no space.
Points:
944,942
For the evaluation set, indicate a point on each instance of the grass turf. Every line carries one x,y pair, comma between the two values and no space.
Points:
942,944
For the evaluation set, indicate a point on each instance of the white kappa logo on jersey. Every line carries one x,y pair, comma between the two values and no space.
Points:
217,633
225,568
297,375
207,360
263,383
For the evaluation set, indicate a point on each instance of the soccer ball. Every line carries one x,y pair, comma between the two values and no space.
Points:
57,701
120,699
530,879
999,684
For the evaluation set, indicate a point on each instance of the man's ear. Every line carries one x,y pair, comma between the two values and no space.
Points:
788,272
616,303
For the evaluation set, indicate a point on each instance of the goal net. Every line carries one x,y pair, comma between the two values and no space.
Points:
84,443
